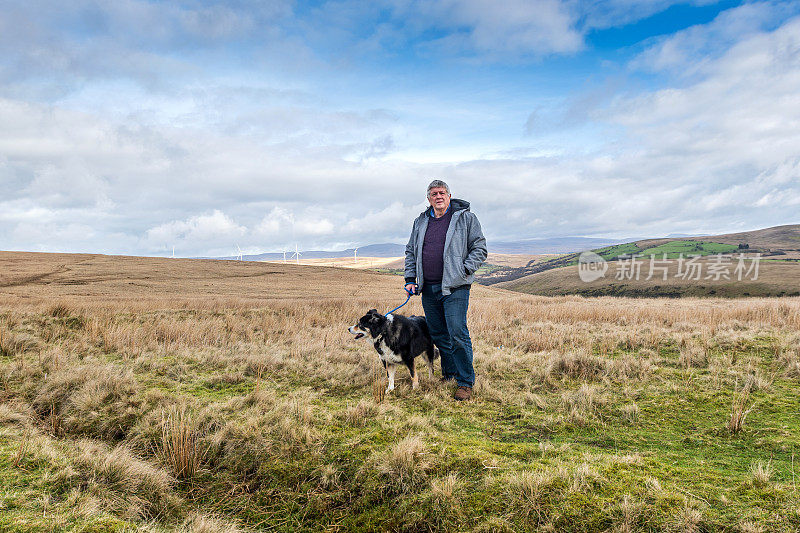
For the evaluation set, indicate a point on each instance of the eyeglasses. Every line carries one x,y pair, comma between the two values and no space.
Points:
434,194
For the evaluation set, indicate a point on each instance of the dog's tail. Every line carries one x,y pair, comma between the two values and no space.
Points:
433,353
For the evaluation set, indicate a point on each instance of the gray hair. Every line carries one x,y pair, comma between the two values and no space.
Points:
438,184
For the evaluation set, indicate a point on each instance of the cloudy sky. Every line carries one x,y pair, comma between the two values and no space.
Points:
132,126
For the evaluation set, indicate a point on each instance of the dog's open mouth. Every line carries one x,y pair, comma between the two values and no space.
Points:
357,331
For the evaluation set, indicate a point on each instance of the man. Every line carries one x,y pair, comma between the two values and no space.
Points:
445,249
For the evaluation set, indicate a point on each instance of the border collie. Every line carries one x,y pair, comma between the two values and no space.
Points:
397,339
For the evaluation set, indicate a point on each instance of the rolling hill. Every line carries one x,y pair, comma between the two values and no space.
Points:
776,238
774,279
777,250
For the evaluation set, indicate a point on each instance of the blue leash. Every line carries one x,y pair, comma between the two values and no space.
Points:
410,294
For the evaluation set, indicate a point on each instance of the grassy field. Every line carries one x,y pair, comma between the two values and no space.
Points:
674,249
612,252
671,249
193,395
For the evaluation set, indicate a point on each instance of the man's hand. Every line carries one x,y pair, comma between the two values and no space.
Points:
411,288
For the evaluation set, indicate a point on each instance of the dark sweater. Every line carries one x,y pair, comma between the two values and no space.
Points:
433,247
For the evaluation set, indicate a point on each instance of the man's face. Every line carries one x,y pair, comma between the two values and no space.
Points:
438,198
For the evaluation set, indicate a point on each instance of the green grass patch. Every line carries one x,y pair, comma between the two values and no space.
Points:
674,249
488,268
611,253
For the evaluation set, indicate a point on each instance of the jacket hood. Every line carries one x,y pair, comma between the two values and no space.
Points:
456,204
459,205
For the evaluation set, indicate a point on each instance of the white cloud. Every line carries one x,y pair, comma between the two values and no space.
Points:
689,51
477,27
281,225
211,228
745,111
51,49
379,225
520,26
315,227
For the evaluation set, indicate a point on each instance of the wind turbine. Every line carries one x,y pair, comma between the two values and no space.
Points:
173,252
296,254
355,255
284,256
239,257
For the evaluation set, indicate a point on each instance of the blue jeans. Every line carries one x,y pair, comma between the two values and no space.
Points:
447,321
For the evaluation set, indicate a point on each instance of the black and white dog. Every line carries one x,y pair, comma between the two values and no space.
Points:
398,339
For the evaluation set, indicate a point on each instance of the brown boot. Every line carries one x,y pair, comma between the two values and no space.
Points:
463,393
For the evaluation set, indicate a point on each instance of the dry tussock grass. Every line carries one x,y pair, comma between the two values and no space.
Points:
12,344
689,520
748,526
251,432
577,365
446,501
761,473
403,466
528,492
91,478
446,490
584,476
693,357
582,365
96,400
137,488
740,408
630,413
359,414
203,523
789,361
181,447
653,485
16,413
583,405
629,509
291,337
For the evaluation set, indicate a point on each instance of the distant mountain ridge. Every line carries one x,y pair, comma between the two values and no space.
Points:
553,245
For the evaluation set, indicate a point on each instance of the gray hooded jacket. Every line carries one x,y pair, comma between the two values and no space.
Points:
464,248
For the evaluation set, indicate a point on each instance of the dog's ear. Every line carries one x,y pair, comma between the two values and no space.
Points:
372,312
